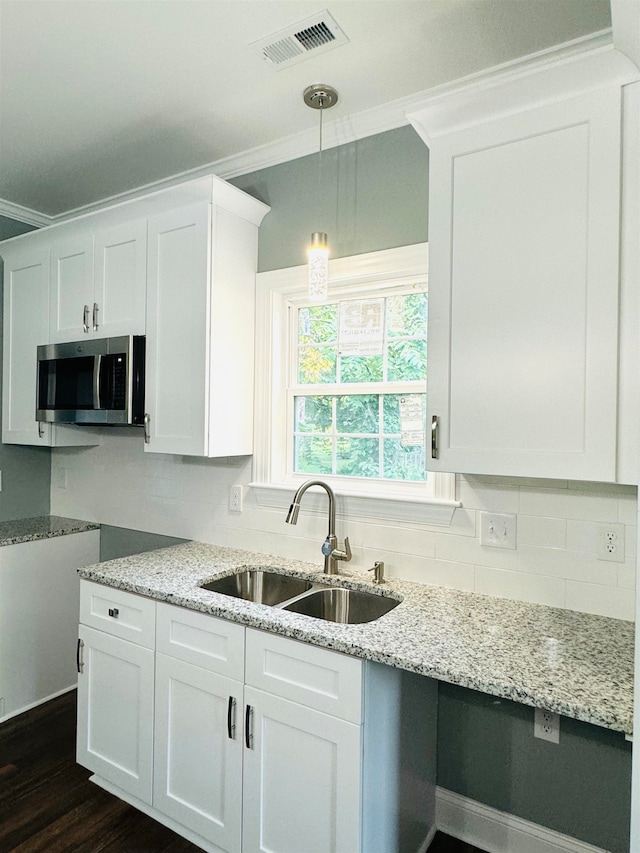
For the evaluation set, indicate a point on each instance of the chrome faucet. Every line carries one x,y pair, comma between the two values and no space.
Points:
330,549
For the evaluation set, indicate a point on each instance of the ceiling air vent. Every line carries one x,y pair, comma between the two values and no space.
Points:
314,35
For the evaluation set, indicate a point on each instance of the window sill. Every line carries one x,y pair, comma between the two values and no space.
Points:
393,508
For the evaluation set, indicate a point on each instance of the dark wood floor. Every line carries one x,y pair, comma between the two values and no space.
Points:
47,804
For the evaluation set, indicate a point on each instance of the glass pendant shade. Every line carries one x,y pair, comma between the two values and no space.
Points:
318,254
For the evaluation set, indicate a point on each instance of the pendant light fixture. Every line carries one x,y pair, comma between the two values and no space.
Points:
319,97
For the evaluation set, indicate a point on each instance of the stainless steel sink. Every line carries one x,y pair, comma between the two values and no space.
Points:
347,606
260,586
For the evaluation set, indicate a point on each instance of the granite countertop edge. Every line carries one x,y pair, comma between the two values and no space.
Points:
18,531
576,664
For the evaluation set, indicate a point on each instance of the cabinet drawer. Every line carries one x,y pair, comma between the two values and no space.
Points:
318,678
122,614
200,639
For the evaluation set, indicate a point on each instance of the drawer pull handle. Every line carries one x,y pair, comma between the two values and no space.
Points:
95,316
79,656
85,320
113,611
231,725
248,736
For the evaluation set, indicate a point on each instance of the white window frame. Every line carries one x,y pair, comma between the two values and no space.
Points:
276,291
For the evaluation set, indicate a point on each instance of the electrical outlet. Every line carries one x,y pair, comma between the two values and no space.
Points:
546,725
235,498
497,531
610,542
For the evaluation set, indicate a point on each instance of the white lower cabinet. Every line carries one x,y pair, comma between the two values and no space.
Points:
301,778
260,742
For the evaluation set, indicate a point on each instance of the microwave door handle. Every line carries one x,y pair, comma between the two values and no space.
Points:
96,381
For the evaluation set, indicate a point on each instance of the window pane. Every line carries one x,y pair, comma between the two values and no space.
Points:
391,423
313,455
358,413
361,368
407,315
403,463
316,365
313,414
407,360
318,324
358,457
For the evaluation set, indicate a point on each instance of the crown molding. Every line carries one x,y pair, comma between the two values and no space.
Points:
389,116
24,214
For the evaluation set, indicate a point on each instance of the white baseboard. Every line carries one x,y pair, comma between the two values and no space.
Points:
17,711
500,832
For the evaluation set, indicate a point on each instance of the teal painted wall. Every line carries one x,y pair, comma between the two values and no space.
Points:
373,196
12,228
26,471
580,787
120,542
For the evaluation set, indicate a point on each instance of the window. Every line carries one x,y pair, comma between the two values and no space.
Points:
358,390
341,386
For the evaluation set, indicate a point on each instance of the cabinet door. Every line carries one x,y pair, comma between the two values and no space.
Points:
71,288
26,325
178,285
301,779
115,711
198,751
523,292
120,280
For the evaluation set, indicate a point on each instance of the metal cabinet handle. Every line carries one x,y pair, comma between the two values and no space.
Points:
248,736
114,612
95,316
147,430
80,656
85,319
97,373
231,725
434,437
40,429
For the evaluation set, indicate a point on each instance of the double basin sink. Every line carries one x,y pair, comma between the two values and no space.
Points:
297,595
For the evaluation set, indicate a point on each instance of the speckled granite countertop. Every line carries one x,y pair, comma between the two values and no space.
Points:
41,527
572,663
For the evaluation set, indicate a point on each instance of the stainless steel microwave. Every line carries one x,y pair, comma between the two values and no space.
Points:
92,382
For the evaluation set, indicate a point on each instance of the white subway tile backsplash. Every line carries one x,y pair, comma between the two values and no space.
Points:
570,504
476,494
628,510
537,589
602,600
543,532
554,563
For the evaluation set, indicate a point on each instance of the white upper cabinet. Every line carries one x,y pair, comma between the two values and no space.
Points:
524,246
26,326
120,279
177,265
71,293
200,324
98,280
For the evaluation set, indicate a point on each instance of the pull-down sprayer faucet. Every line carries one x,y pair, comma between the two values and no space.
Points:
330,545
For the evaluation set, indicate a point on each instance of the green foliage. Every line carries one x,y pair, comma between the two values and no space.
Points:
336,425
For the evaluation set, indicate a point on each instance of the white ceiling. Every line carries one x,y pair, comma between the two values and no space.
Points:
98,97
